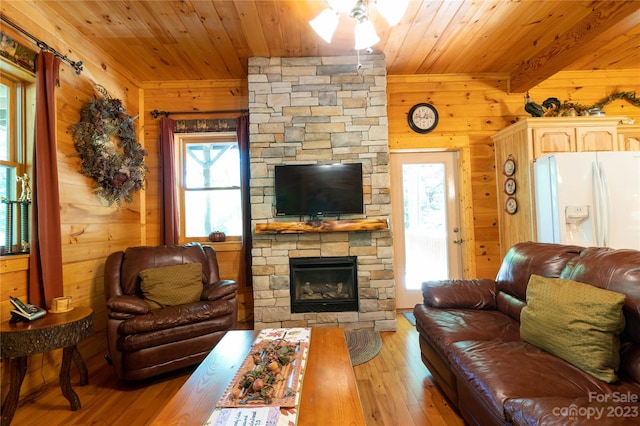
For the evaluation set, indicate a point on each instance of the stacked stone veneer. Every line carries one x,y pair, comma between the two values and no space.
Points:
320,110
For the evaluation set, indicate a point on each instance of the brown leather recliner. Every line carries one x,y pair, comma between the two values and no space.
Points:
145,342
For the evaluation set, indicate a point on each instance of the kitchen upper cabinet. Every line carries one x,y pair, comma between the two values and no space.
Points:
629,137
547,140
596,138
517,147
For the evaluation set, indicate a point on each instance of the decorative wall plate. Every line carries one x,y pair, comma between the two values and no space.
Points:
510,186
509,167
511,205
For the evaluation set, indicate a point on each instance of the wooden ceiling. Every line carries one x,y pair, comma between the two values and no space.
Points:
527,41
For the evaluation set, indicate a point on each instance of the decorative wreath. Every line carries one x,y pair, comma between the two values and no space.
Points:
117,169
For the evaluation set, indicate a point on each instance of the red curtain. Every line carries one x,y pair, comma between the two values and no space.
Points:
170,214
242,132
45,260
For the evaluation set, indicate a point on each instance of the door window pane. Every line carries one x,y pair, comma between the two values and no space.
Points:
425,222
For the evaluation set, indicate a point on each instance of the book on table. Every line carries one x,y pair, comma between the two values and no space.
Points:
25,311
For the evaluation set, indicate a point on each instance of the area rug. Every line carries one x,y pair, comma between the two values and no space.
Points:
410,317
363,345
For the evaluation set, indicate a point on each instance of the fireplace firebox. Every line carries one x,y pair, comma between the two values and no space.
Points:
324,284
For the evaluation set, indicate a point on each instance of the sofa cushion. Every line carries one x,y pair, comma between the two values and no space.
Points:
174,324
472,294
175,316
524,259
442,327
171,285
578,322
495,372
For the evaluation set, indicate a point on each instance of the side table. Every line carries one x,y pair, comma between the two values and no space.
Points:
53,331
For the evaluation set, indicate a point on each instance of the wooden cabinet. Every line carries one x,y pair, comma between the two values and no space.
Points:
547,140
532,138
629,137
596,138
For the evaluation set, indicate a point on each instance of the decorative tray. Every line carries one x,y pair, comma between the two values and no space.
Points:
271,374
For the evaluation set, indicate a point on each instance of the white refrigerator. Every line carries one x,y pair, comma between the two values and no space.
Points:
588,198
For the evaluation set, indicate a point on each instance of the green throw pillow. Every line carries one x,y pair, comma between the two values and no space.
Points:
172,285
577,322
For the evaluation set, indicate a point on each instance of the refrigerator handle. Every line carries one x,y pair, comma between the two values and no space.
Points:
606,206
597,201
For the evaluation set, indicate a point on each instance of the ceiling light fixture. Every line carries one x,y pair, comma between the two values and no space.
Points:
326,23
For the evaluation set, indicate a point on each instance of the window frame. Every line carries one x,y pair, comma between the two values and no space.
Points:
182,141
21,113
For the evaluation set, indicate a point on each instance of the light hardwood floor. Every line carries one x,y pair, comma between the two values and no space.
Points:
395,389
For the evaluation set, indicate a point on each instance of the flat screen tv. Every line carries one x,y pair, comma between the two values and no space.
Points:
318,190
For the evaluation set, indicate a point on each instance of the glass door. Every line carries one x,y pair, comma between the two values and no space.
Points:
426,223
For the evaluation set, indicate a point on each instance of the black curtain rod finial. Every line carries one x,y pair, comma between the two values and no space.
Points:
77,65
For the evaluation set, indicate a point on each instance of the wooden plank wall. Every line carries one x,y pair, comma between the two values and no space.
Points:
478,106
90,229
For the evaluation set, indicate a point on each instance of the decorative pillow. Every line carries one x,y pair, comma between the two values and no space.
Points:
577,322
172,285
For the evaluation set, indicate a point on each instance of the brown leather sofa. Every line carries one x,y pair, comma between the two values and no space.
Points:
145,342
469,335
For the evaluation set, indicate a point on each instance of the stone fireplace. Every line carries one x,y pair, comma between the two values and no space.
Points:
321,110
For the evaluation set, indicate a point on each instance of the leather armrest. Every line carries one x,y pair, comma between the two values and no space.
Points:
630,360
128,305
222,289
469,294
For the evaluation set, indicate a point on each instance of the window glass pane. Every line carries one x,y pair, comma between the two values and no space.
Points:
4,122
208,211
425,223
7,179
7,190
212,165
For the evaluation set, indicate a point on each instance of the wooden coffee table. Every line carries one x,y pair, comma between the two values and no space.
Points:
329,392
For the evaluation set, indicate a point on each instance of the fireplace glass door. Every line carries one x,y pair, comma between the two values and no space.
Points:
324,284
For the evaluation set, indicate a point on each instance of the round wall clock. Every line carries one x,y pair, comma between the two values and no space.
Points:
423,118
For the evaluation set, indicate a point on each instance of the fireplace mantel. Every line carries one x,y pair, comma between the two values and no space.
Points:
322,226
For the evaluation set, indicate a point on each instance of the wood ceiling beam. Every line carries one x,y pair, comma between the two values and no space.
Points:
608,20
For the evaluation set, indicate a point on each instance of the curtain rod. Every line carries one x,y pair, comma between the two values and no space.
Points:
77,65
155,113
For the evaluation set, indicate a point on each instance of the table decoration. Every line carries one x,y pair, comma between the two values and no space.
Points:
266,388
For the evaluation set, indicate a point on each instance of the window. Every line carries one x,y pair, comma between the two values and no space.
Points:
210,185
13,162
